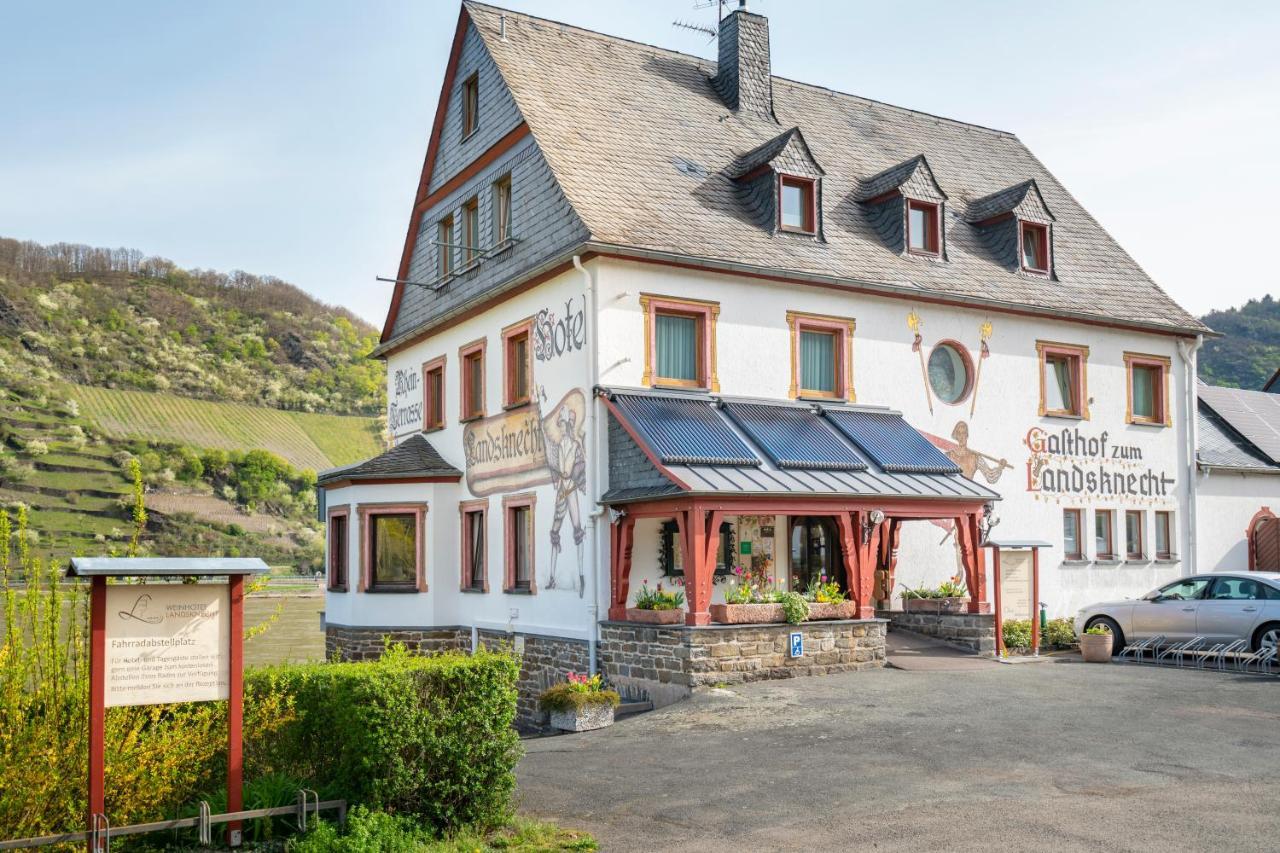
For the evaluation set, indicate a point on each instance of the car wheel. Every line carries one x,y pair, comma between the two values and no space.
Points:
1117,643
1267,637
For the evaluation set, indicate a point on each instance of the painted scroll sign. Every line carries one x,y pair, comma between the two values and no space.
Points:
1071,464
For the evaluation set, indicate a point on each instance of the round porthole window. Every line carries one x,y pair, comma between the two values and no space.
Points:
950,372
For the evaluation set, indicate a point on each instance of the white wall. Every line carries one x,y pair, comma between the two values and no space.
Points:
1227,503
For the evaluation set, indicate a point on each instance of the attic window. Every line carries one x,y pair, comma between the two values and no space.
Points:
1035,247
796,208
470,104
922,228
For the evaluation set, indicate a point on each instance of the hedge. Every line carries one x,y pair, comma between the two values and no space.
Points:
430,737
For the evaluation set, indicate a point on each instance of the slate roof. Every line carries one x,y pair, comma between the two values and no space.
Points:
701,439
413,457
892,178
1004,201
1238,428
611,116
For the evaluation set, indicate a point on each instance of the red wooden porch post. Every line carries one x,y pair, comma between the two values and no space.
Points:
849,524
697,571
621,539
867,573
974,565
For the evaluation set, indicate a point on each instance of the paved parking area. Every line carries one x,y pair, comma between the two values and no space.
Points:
1062,756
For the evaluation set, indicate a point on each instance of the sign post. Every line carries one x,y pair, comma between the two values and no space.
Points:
162,642
1015,574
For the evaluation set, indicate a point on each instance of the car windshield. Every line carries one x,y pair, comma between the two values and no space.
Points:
1182,590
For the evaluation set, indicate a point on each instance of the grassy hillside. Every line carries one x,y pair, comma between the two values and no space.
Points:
1249,352
304,439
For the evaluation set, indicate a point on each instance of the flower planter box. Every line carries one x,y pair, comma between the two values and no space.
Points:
1096,648
746,614
655,617
835,610
935,605
584,719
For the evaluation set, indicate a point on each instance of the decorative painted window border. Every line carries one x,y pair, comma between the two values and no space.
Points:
810,185
525,326
1081,379
342,511
1078,554
419,511
1046,232
436,424
935,211
1111,534
708,312
481,346
510,502
465,508
1164,415
843,328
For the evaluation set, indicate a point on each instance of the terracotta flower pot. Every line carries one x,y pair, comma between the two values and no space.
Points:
674,616
584,719
1096,648
835,610
746,614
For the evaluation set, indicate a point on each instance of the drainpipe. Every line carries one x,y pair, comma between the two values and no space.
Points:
1188,353
589,315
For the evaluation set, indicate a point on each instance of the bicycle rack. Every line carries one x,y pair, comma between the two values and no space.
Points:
306,797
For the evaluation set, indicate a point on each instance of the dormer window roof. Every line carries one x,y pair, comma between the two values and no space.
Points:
1017,227
906,205
782,182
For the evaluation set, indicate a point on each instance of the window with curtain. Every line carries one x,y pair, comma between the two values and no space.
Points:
435,397
1059,384
473,549
393,543
1164,535
1102,533
1133,545
473,384
518,368
1072,542
1144,385
520,569
818,354
677,341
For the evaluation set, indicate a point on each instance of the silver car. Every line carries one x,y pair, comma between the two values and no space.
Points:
1223,606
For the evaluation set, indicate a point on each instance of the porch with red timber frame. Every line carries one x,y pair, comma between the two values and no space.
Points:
865,546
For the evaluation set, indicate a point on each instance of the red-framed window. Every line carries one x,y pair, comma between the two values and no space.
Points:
393,547
1033,240
924,232
1147,389
339,549
470,104
433,394
1104,534
517,511
679,342
821,356
1064,387
1164,534
517,364
471,367
1073,534
475,543
1135,534
797,204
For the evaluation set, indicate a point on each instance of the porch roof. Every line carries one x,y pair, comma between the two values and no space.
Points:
668,443
412,459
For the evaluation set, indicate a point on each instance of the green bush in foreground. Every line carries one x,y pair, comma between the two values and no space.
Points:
378,832
430,737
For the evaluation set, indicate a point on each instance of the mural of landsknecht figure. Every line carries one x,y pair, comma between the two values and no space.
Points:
971,461
567,462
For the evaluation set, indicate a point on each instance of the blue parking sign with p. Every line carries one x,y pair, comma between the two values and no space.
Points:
797,644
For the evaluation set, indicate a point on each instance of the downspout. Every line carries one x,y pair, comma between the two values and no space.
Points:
1188,353
593,606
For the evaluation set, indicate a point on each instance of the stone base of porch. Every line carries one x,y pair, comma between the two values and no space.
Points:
669,662
975,631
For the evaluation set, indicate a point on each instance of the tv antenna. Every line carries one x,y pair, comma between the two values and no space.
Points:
709,32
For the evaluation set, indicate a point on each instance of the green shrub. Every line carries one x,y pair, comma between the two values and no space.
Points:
1059,632
365,832
425,736
658,599
1017,633
794,607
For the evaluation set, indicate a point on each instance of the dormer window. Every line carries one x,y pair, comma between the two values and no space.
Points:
923,236
1035,247
796,211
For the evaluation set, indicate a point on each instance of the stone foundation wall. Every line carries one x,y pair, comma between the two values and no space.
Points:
670,662
543,662
976,631
353,644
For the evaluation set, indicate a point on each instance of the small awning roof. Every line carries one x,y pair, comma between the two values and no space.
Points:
711,444
413,458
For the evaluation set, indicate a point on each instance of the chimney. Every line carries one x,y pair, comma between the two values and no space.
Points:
743,77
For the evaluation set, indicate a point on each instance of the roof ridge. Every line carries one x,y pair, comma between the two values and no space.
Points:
704,61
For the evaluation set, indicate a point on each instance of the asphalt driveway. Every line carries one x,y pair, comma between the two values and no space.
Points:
1063,756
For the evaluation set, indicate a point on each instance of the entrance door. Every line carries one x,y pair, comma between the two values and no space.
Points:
1266,545
815,552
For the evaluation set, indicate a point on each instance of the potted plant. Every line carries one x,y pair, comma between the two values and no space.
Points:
749,599
949,597
657,606
1095,644
580,704
828,601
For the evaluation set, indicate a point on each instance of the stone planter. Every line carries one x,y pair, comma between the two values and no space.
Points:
655,617
934,605
584,719
1096,648
746,614
836,610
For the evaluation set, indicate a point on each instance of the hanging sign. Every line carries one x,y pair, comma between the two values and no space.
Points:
167,643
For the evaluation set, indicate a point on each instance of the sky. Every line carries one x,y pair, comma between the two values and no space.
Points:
286,138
